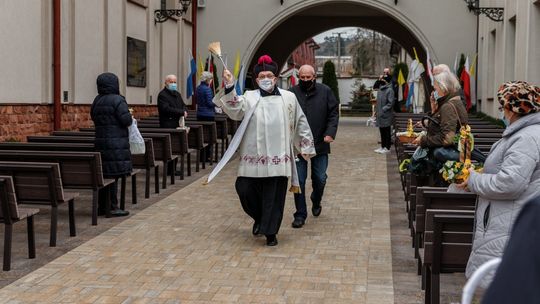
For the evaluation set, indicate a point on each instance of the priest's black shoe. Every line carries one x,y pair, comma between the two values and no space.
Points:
298,222
256,228
271,240
119,212
316,210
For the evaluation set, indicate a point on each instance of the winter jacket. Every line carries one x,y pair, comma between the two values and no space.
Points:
442,134
321,109
511,177
385,105
170,108
111,118
205,106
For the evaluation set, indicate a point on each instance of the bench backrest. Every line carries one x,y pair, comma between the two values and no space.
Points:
179,139
448,239
82,170
146,160
47,146
162,145
430,199
35,182
61,139
8,199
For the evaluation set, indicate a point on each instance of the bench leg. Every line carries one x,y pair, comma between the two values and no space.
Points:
173,173
188,163
8,235
95,198
182,167
147,184
212,157
435,288
197,160
222,147
134,189
108,202
156,178
427,292
71,210
31,237
216,152
123,193
165,169
54,223
204,159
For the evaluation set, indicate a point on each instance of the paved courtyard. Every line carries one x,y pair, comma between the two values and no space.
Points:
195,246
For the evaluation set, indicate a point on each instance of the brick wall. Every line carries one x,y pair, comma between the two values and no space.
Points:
18,121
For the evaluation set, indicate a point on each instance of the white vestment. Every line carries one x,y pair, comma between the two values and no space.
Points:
277,123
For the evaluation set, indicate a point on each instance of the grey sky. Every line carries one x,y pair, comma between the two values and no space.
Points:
348,32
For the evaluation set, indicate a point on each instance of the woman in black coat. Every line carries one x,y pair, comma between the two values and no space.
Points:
111,118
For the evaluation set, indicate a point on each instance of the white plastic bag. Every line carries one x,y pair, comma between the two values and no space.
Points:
136,141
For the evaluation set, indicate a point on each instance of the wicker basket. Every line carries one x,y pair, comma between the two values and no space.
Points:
406,139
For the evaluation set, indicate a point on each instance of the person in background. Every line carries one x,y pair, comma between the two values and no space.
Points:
111,118
321,109
511,174
384,110
170,104
205,106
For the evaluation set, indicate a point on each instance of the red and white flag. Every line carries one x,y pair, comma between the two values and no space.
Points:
466,79
429,66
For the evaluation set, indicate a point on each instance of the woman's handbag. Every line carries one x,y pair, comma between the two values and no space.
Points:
136,141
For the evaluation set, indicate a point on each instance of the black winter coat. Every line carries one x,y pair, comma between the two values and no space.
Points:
111,118
170,108
321,109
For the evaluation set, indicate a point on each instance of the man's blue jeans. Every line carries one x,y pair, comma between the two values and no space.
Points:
319,164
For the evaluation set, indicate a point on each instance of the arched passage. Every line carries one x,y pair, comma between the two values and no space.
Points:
284,34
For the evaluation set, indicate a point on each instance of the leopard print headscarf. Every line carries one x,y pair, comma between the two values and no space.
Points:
519,97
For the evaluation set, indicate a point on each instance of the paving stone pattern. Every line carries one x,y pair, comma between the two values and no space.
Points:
195,246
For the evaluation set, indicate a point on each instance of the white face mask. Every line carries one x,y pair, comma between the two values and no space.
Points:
266,84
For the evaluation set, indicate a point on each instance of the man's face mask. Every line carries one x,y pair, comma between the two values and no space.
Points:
266,84
172,86
306,84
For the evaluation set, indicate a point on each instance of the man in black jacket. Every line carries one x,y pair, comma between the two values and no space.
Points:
170,104
321,109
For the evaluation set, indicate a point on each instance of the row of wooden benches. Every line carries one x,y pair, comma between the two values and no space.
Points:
73,164
440,222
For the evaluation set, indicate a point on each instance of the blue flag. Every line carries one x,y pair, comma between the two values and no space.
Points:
240,82
189,81
410,96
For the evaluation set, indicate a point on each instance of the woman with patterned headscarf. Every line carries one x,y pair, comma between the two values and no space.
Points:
511,174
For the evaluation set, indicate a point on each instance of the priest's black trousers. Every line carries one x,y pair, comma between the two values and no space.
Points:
263,199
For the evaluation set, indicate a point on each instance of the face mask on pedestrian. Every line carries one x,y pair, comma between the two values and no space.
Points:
307,84
172,86
266,84
436,95
504,119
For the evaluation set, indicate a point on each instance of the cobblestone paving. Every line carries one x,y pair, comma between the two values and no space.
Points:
195,246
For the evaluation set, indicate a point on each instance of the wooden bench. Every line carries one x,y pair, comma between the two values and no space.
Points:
90,140
196,139
448,243
436,199
79,170
163,153
10,213
144,161
41,184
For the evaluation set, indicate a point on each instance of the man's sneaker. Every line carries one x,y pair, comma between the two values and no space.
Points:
384,151
378,150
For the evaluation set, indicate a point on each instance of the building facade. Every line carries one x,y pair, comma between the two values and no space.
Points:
508,50
97,36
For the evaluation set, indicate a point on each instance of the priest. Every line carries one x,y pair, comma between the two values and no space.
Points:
274,129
